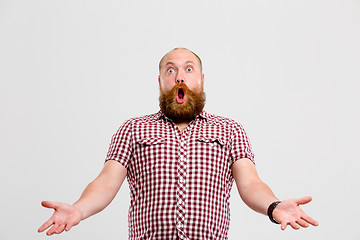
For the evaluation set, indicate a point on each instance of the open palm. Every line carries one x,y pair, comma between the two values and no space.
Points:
64,218
288,212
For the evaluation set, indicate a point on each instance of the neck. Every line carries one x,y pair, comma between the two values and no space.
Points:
182,126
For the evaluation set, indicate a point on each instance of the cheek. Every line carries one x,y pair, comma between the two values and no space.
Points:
167,85
195,85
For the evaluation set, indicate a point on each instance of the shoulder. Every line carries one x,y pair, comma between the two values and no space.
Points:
143,124
150,118
224,124
220,120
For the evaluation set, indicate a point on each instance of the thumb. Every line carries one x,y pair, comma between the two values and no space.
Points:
304,200
48,204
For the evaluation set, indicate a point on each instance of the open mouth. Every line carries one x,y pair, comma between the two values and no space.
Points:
180,95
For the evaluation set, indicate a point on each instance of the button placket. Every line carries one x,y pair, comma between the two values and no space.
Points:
181,185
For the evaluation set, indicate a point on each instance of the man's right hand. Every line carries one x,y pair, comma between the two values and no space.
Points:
96,196
64,218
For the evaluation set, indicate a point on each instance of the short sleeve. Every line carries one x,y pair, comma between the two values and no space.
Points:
121,146
241,147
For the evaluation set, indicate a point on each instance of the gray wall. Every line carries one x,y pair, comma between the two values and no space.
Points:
72,71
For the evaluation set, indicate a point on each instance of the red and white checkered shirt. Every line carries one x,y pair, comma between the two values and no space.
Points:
179,183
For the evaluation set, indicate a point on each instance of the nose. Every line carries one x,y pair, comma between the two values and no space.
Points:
180,78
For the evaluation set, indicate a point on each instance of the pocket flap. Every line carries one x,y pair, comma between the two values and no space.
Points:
151,141
211,140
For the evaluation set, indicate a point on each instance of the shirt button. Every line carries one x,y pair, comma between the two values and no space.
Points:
180,201
182,158
182,180
179,225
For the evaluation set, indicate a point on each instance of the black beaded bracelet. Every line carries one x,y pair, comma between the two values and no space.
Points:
270,211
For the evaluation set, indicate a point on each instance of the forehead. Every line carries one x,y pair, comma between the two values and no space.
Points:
179,56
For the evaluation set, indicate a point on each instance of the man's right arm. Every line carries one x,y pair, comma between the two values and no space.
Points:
96,196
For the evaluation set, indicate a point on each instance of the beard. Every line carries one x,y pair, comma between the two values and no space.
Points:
182,112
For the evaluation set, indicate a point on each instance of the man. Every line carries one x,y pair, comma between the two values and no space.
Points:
180,164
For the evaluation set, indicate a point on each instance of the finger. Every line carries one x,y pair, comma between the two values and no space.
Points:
294,225
52,230
302,223
48,204
47,224
304,200
310,220
69,226
283,225
60,229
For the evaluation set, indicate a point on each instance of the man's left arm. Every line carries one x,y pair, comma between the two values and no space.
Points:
258,196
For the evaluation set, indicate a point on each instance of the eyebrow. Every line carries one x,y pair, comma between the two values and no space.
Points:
171,63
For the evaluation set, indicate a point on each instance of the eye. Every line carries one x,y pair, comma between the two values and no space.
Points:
170,70
189,69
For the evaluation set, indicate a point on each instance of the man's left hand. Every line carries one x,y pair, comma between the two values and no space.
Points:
288,212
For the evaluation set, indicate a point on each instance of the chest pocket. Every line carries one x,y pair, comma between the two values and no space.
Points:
149,153
211,141
211,155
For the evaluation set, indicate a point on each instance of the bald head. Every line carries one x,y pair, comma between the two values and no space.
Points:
163,59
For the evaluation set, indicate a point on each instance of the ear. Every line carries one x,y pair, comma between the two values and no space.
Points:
159,81
202,79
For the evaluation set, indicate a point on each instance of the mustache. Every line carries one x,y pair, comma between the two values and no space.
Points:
185,88
184,112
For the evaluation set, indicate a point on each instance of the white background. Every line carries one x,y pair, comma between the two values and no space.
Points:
72,71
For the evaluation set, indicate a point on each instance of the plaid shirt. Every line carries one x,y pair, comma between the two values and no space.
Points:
179,183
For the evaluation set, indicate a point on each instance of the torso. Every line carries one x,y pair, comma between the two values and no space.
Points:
180,179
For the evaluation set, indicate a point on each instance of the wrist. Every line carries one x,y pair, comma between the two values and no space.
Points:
80,211
270,211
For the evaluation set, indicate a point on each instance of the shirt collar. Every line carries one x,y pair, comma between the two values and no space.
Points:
203,115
